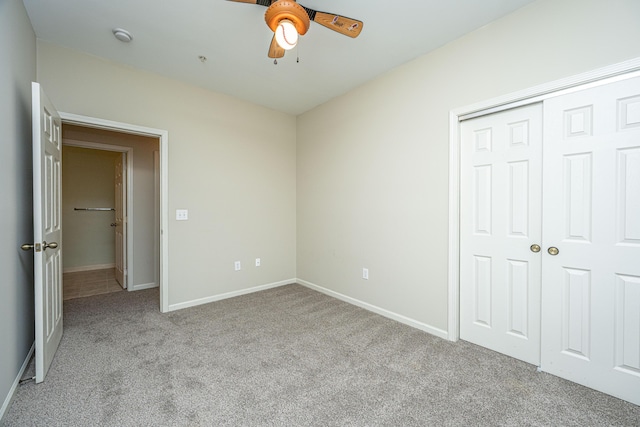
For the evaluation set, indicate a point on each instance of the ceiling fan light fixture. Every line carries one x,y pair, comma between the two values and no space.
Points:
289,10
286,34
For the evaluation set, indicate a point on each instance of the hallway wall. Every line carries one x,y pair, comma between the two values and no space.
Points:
88,181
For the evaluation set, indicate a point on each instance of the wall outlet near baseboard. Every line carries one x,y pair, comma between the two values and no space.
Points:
257,262
237,265
365,273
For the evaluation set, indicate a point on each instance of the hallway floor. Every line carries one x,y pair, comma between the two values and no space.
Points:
87,283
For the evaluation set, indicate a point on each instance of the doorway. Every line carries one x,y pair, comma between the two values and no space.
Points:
145,268
127,224
94,206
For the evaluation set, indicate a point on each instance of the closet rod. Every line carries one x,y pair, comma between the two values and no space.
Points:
93,209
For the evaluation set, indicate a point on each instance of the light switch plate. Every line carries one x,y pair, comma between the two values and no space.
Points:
182,214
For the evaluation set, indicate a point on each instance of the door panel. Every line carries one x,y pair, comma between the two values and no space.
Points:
577,201
591,288
518,215
47,225
576,291
518,306
482,191
500,199
628,200
482,291
627,324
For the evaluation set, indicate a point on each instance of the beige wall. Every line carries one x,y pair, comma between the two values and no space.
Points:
372,168
17,71
231,163
88,180
143,209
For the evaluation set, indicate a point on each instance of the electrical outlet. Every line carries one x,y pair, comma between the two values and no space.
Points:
182,214
237,266
257,262
365,273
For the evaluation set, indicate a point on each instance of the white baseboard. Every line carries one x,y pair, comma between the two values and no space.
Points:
206,300
378,310
14,386
88,268
142,286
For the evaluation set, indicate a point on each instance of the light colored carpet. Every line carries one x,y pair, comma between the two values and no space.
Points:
288,356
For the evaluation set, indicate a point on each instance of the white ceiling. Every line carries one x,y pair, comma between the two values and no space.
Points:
170,35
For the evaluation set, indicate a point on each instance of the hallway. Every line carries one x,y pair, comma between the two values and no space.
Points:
88,283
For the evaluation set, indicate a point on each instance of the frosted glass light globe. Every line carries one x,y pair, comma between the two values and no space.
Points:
286,34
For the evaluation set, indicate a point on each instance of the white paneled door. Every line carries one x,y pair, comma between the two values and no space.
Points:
591,211
47,225
500,220
573,307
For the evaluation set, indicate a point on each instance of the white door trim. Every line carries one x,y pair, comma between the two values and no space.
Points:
620,71
129,265
156,216
163,137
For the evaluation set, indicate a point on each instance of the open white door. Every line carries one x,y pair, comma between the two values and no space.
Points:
120,223
47,229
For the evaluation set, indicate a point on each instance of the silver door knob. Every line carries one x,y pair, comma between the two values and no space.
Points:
26,247
553,251
113,224
52,245
535,248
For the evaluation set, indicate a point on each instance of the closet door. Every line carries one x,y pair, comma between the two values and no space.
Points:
591,215
500,198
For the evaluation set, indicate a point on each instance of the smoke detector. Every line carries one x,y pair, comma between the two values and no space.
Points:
122,35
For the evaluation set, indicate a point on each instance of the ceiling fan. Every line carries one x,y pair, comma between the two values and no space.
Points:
288,20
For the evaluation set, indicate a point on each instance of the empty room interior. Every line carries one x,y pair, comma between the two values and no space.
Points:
421,214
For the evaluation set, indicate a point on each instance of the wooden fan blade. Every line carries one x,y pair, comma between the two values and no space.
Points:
275,51
260,2
347,26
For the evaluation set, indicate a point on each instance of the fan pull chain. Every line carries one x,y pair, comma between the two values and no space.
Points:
275,62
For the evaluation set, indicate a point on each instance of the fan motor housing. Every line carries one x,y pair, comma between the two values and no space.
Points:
287,9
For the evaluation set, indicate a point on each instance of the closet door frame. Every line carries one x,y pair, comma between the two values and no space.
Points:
601,76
